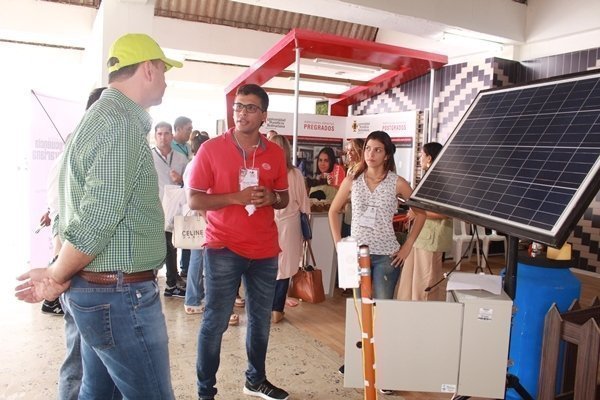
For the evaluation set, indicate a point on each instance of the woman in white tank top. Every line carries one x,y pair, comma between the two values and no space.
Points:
374,188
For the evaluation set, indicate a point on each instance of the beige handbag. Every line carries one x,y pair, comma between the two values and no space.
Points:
188,231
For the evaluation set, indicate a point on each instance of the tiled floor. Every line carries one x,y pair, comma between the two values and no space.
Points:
32,350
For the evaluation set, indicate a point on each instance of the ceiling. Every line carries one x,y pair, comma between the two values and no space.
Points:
379,23
247,16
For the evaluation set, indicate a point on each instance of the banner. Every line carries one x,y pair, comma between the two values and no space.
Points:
52,120
397,125
309,125
401,126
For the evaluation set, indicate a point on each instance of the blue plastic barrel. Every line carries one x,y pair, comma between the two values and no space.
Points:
540,283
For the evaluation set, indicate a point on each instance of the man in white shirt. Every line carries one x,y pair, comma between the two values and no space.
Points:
169,165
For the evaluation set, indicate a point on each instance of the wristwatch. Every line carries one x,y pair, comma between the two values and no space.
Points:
277,198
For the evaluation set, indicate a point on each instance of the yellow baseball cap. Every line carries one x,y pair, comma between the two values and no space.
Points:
135,48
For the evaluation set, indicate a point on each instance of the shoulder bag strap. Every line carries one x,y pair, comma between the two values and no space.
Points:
312,255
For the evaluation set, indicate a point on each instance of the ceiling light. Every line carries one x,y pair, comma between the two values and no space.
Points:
323,80
346,65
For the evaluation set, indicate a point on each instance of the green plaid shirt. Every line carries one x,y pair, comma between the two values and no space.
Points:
109,205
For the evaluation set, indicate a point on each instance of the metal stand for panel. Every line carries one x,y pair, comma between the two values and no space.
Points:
368,346
510,287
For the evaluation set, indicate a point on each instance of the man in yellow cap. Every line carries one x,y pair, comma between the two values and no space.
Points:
111,226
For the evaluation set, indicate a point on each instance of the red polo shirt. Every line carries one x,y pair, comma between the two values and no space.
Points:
216,170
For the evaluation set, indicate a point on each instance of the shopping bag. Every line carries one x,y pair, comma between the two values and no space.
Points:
307,284
173,203
188,231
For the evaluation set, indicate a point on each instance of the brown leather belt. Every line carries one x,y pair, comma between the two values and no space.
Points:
110,278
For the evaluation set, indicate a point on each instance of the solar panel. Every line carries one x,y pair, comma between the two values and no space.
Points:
523,160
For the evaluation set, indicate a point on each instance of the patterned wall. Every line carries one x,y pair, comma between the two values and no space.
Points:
455,87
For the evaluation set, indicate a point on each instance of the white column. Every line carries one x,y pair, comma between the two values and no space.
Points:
114,19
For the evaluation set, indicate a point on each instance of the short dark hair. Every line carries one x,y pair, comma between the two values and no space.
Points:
94,96
432,149
163,124
124,72
181,121
251,88
121,73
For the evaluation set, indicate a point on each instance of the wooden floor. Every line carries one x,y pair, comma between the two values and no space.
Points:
326,321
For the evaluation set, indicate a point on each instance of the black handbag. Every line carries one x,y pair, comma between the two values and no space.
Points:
305,226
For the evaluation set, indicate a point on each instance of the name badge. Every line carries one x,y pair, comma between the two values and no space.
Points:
368,218
248,177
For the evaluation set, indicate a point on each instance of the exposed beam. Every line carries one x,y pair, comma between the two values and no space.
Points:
303,93
322,78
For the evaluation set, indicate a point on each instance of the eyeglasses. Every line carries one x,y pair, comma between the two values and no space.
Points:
250,108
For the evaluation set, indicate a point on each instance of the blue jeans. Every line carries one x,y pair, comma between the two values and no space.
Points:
281,289
71,370
184,261
194,292
384,276
223,270
124,343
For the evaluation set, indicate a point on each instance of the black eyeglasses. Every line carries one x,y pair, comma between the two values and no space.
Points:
250,108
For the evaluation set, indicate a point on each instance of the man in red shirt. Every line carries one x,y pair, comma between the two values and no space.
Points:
238,178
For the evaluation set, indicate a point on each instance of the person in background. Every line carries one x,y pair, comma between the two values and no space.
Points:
181,136
196,133
111,227
52,307
183,129
423,266
374,188
169,165
288,226
328,168
270,134
194,293
196,140
328,178
239,179
354,152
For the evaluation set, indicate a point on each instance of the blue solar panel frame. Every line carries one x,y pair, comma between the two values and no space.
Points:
524,160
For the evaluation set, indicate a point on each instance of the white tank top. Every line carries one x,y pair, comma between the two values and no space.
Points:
380,238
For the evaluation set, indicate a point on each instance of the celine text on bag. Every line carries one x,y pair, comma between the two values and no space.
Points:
188,231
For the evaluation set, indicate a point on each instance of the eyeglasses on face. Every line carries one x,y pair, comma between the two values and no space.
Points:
250,108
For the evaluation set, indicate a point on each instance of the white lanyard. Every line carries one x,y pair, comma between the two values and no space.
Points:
244,152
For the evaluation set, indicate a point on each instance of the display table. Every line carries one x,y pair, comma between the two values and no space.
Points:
324,250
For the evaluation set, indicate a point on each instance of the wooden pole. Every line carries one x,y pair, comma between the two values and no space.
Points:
368,345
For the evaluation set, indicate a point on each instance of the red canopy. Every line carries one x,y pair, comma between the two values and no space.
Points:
402,64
